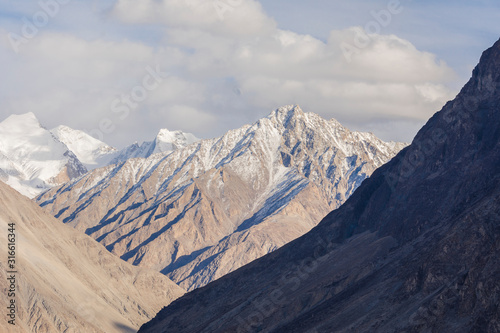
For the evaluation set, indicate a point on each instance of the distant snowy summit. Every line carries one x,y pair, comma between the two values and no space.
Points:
34,159
165,142
91,152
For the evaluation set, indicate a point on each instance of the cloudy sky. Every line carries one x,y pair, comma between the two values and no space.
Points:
123,69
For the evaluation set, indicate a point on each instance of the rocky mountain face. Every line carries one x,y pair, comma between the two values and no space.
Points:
91,152
32,160
165,142
415,249
67,282
205,210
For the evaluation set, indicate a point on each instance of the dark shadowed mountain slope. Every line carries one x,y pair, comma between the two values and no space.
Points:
415,249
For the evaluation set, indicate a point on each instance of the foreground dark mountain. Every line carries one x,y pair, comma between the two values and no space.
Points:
415,249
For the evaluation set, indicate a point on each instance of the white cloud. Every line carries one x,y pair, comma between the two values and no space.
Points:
225,17
186,117
223,72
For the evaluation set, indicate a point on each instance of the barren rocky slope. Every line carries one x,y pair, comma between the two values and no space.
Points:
66,281
415,249
211,207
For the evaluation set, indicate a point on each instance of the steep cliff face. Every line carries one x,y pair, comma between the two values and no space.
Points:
65,281
415,249
208,208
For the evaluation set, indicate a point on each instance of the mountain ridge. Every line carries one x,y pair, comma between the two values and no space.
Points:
415,248
190,213
52,157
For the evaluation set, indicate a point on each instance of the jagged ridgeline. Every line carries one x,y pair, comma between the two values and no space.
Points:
211,206
416,248
34,159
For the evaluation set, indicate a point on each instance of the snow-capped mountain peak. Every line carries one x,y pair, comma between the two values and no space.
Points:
287,113
24,127
171,140
31,158
165,142
283,114
91,152
17,121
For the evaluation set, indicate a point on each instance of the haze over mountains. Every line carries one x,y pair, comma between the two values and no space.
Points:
67,282
212,206
416,248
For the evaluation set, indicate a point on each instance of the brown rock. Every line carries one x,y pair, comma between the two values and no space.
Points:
67,282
